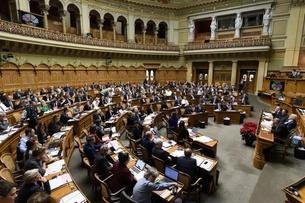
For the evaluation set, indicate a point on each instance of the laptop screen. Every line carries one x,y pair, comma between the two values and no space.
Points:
171,173
140,164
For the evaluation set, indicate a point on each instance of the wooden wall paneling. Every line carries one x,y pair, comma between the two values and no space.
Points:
290,86
11,77
300,86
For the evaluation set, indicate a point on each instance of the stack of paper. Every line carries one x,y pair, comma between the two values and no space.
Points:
74,197
207,165
60,180
58,135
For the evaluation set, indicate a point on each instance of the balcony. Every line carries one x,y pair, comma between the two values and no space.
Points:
47,37
230,45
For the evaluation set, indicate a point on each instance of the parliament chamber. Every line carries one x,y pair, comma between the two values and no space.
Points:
152,101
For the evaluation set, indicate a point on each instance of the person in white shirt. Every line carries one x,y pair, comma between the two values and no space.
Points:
3,107
184,102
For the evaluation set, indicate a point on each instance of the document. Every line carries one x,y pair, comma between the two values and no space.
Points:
207,165
55,167
59,181
202,139
74,197
199,159
177,153
58,135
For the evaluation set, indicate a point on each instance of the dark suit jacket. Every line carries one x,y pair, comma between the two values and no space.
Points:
90,151
101,165
26,191
188,166
34,164
122,177
161,154
148,144
280,130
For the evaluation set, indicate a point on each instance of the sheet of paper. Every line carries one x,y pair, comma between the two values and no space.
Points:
177,153
199,159
58,135
55,167
202,139
74,197
59,181
207,165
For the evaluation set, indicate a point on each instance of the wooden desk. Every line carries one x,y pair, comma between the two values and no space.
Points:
119,122
264,140
195,118
169,111
68,147
83,122
245,108
209,108
233,115
9,145
209,148
300,186
300,122
212,172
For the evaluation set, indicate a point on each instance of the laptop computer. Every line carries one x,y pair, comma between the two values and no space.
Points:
140,165
171,175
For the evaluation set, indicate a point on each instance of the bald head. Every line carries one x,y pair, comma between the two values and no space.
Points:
188,152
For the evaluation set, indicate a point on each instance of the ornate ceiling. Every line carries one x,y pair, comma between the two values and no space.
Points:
171,4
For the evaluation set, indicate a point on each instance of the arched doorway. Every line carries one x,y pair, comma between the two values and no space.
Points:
162,33
8,10
121,29
150,32
73,19
139,26
108,27
55,17
95,20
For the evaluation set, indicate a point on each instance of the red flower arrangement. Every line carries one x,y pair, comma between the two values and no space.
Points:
248,132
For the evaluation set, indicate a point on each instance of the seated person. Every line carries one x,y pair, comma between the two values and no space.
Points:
8,192
291,123
77,110
137,131
42,135
36,161
158,152
173,121
64,117
187,164
279,129
148,142
103,162
284,116
43,107
30,185
183,133
90,148
188,110
142,191
99,133
41,197
164,105
198,108
122,177
184,102
3,121
54,126
277,112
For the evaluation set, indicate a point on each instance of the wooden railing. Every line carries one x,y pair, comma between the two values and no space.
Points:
30,31
233,43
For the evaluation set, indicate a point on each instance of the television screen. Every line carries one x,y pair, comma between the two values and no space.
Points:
31,19
277,85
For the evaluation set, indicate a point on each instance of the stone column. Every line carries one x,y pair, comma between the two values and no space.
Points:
24,5
210,73
156,36
101,24
84,21
130,29
234,73
45,16
114,31
144,32
260,74
63,21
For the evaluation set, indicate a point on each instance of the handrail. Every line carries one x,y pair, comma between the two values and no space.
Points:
30,31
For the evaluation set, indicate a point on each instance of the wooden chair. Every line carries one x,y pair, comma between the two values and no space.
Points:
80,146
134,147
285,143
159,164
125,198
190,189
107,195
8,161
7,175
146,156
89,172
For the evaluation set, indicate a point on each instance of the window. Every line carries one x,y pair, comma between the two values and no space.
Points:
226,22
253,18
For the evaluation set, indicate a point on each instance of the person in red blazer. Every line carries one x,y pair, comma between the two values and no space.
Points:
122,177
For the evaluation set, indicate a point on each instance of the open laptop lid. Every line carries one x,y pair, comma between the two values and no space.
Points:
171,173
140,164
